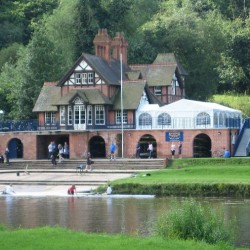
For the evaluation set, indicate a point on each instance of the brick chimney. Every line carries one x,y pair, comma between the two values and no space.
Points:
102,43
120,45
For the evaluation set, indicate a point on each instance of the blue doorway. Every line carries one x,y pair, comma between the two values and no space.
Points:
15,148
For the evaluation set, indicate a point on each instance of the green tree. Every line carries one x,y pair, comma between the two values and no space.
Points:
40,61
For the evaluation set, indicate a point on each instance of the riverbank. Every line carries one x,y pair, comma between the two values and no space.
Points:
196,177
64,239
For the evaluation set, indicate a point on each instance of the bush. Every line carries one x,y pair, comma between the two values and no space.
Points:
191,220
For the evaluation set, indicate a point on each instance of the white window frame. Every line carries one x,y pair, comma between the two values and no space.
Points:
99,115
91,78
158,90
145,119
203,118
124,117
89,115
50,118
62,115
84,78
70,117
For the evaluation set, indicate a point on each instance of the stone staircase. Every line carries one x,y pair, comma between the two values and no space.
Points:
41,172
99,165
241,150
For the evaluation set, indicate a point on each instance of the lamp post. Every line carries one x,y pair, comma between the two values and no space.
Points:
121,102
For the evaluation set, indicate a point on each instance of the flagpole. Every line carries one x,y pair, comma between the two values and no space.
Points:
121,102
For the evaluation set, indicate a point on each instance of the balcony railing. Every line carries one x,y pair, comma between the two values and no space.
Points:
176,123
22,125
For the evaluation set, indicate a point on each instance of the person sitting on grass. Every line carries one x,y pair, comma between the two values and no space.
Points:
72,190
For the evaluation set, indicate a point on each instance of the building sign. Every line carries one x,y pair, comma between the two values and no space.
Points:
174,136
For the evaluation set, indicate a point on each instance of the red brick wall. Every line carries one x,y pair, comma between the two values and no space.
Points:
78,142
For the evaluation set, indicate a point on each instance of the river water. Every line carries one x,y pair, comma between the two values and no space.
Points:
128,215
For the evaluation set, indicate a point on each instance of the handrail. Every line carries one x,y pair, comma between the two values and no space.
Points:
246,124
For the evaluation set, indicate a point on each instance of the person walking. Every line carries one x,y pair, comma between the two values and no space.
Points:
138,150
172,150
112,149
89,163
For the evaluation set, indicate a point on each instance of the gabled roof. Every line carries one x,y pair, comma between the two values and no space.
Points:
49,94
110,73
161,72
132,93
169,58
90,96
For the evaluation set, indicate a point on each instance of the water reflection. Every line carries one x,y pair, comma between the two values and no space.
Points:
109,214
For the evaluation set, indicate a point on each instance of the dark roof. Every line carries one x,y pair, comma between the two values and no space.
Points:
132,93
48,96
110,73
90,96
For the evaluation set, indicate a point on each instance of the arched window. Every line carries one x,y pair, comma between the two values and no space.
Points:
164,119
203,119
145,119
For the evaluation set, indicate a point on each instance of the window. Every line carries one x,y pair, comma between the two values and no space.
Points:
50,118
124,118
203,119
70,115
79,111
89,114
164,119
62,115
145,119
90,78
157,90
99,115
174,83
84,78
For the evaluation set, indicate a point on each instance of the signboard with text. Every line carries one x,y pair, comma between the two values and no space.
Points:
174,136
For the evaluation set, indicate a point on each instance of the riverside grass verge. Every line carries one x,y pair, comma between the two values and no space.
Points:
65,239
191,177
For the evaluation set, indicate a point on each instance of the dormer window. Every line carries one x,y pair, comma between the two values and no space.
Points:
84,78
157,90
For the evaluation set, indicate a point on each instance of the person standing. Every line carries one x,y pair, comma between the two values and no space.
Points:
180,149
7,155
89,163
50,150
60,149
66,150
172,150
150,149
112,149
54,156
138,150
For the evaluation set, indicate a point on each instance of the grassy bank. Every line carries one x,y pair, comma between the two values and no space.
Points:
64,239
200,177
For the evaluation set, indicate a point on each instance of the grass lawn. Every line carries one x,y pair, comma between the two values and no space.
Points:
184,171
64,239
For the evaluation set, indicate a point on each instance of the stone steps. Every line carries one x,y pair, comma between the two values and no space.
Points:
119,164
41,172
